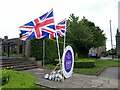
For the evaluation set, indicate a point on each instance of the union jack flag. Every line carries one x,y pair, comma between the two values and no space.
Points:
42,27
61,28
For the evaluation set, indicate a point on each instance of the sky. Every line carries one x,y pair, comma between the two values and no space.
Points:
14,13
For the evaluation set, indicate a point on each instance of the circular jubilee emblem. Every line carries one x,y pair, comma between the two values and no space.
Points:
68,62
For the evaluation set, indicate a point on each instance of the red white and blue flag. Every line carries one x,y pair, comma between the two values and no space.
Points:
42,27
61,28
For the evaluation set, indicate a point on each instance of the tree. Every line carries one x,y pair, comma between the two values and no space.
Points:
83,35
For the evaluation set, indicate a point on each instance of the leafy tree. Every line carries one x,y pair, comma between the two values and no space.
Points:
83,35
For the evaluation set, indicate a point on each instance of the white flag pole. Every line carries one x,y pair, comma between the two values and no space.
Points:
43,51
64,37
57,45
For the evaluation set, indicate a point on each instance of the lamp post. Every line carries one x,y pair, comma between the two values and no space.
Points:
111,39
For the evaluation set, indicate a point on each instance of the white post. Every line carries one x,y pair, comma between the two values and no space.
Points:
43,51
64,49
64,36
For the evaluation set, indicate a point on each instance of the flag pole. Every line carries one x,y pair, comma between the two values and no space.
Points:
111,40
58,46
43,51
64,38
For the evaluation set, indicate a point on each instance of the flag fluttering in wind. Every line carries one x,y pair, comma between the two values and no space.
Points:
42,27
61,28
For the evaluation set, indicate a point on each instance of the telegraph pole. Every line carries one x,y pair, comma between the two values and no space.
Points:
111,39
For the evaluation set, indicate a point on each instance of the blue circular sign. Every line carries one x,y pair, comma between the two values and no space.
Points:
68,62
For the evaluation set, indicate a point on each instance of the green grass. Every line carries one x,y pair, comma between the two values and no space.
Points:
18,79
100,64
50,66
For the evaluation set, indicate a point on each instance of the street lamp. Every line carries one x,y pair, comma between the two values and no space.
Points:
111,39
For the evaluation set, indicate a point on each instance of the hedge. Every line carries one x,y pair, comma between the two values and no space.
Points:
51,52
80,63
84,64
17,79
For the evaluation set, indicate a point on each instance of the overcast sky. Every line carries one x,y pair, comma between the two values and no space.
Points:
14,13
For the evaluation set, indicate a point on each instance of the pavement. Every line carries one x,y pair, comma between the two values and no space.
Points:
75,81
111,72
109,58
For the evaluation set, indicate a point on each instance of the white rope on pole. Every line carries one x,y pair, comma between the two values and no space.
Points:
64,43
58,49
58,46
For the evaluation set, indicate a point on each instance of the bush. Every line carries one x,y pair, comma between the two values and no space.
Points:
4,77
84,63
50,50
17,80
76,55
55,62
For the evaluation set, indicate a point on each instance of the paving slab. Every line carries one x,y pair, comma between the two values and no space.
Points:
75,81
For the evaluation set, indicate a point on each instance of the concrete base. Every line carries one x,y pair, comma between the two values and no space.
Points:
39,64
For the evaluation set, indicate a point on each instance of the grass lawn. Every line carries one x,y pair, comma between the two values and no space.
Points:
16,79
100,64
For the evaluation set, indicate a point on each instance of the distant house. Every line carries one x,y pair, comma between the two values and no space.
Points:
94,51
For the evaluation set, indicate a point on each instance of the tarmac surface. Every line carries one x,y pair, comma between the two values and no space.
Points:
107,79
111,72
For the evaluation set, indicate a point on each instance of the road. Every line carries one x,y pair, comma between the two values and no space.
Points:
111,72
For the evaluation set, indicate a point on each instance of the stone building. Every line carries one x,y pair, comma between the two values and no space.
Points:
118,43
14,45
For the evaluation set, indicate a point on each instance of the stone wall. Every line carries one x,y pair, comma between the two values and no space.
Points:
0,46
28,48
118,43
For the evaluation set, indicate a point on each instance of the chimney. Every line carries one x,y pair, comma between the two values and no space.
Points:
20,35
0,40
5,38
117,30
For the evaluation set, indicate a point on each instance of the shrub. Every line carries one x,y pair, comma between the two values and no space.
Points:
84,63
104,54
55,62
76,55
17,80
4,77
50,50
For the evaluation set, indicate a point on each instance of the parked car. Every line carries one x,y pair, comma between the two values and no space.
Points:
94,55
